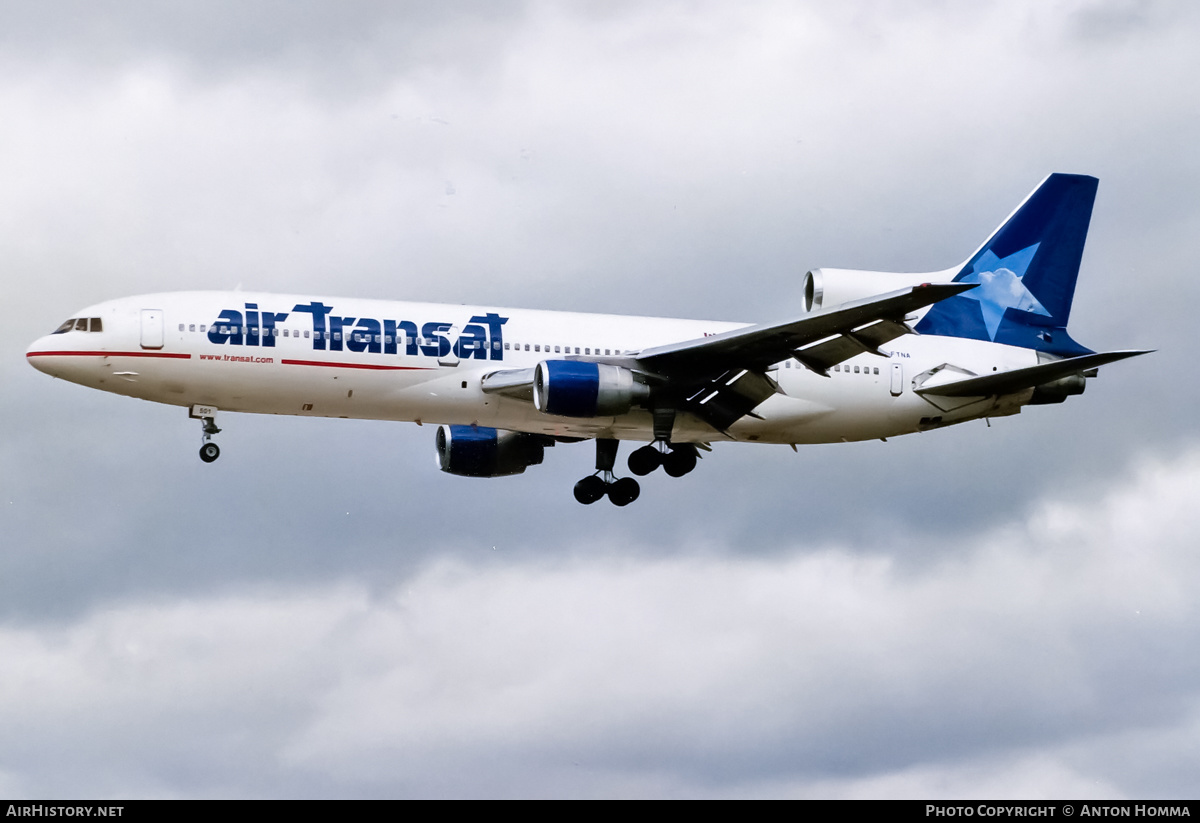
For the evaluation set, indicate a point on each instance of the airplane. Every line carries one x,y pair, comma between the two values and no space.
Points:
875,355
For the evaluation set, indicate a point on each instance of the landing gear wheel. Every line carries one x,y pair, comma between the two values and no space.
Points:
679,462
624,491
209,452
645,460
590,489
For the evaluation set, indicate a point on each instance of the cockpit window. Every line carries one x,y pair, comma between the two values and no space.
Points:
80,324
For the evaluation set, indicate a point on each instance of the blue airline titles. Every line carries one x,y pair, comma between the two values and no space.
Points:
876,354
256,327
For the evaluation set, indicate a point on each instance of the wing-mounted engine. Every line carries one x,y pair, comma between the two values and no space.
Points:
479,451
832,287
573,388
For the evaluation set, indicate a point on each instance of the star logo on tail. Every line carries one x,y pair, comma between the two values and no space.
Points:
1000,286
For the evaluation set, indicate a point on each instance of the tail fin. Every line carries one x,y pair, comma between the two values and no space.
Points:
1026,273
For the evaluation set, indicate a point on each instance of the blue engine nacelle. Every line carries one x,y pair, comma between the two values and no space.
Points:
477,451
572,388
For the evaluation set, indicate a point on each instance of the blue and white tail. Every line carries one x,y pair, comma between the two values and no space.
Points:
1026,273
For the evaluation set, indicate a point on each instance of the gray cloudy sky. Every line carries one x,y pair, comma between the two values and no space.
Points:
1003,612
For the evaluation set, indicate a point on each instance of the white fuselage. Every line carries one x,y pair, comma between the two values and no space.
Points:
424,362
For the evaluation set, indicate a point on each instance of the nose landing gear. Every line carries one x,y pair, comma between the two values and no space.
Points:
207,415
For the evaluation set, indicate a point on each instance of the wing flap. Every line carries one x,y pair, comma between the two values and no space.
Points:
730,396
867,339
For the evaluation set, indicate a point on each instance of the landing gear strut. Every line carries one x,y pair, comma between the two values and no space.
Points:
207,415
620,492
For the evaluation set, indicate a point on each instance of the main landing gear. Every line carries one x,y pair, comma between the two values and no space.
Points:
676,459
207,415
620,492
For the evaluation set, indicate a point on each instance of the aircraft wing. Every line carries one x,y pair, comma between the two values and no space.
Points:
1015,380
723,377
818,340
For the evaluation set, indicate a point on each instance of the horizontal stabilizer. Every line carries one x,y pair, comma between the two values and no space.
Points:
1016,380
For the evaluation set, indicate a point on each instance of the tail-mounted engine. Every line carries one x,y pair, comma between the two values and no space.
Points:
478,451
572,388
824,288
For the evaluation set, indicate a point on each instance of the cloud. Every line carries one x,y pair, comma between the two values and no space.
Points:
1013,668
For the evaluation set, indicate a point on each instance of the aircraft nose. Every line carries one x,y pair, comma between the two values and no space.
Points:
37,355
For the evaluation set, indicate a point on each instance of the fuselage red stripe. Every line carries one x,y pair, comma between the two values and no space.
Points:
176,355
338,365
182,356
